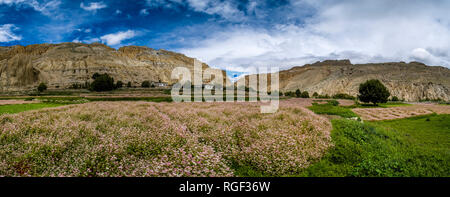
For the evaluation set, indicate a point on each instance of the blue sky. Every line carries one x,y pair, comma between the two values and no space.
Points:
238,34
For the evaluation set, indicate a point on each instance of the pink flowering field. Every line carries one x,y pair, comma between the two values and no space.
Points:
161,139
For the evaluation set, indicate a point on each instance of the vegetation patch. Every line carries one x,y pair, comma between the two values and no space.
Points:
412,147
11,109
331,109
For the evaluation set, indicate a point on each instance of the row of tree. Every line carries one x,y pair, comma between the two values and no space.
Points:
372,91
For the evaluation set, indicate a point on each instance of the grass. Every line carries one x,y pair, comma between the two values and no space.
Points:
381,105
332,110
412,147
11,109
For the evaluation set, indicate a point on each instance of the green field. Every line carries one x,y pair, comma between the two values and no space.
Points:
418,146
332,110
16,108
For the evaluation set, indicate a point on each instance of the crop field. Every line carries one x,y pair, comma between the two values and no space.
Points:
152,136
161,139
400,112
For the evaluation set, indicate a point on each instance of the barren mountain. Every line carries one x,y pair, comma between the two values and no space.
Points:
410,81
61,65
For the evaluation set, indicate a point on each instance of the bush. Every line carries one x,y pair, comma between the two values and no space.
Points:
373,91
333,102
315,95
42,87
102,82
119,84
145,84
298,93
304,94
129,84
394,98
343,96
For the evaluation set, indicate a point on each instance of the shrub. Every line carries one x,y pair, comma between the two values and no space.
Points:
343,96
298,93
42,87
373,91
145,84
394,98
119,84
102,82
333,102
129,84
304,94
315,95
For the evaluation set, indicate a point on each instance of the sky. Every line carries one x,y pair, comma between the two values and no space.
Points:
239,34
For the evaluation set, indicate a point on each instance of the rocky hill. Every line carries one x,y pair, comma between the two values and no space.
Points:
62,65
410,81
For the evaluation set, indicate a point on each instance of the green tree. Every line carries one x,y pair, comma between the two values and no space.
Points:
129,84
102,82
298,93
305,94
119,84
42,87
145,84
315,95
373,91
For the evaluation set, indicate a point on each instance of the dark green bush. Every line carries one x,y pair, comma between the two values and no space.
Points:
145,84
373,91
119,84
343,96
304,94
102,82
42,87
298,93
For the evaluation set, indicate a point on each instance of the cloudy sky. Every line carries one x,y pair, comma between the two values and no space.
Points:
236,34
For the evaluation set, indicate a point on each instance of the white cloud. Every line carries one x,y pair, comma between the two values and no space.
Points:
118,12
362,31
88,40
7,34
93,6
117,38
46,7
226,9
143,12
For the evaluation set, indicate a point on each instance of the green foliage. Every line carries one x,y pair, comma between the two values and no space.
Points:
395,98
406,147
16,108
315,94
119,84
145,84
333,102
343,96
129,84
382,105
298,93
373,91
102,82
331,109
323,96
304,94
42,87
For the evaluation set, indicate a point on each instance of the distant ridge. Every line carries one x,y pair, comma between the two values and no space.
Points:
412,81
61,65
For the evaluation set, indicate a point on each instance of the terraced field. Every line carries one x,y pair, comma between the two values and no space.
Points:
373,114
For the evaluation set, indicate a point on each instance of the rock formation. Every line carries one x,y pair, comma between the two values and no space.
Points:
62,65
409,81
